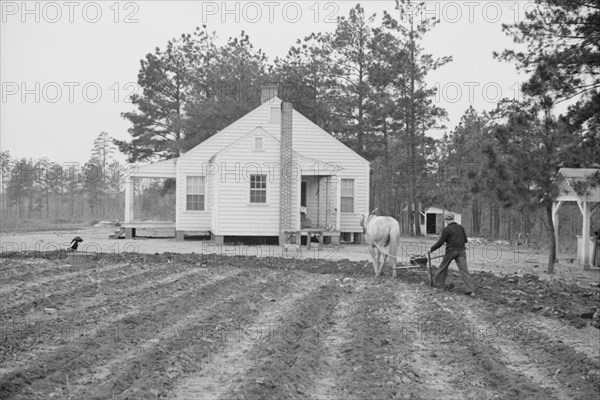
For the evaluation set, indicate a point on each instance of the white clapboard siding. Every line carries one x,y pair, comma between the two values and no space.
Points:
236,216
193,220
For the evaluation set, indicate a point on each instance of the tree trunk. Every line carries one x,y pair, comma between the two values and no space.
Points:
552,253
475,212
491,221
388,202
30,204
407,219
412,134
72,203
496,221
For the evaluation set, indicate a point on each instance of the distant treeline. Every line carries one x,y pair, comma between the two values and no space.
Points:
44,193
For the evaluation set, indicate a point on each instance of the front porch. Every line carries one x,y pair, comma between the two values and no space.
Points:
320,202
130,230
319,211
309,233
131,227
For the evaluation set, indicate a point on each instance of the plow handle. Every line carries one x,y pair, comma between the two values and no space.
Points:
429,271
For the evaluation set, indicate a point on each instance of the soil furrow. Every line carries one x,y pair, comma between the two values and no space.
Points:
95,283
218,374
418,362
142,326
583,340
481,362
287,362
533,352
365,370
74,358
192,339
511,355
56,273
338,336
94,317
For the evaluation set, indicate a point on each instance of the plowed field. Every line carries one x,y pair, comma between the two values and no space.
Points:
182,326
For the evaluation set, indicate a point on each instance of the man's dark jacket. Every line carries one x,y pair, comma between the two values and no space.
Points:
454,236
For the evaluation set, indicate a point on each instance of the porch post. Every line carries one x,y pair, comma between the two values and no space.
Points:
129,192
586,235
555,207
338,206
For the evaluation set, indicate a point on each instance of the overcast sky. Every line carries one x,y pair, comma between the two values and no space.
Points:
67,67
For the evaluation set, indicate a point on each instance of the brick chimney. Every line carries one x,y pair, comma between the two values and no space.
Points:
268,91
286,167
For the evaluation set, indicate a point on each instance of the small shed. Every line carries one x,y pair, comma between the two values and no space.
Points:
571,182
432,220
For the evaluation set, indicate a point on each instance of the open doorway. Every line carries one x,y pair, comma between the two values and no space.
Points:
431,224
303,194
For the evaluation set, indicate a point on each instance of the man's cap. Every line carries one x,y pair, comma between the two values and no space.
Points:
449,217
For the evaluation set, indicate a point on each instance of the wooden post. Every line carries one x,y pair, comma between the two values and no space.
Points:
129,195
555,207
338,205
586,235
219,239
358,238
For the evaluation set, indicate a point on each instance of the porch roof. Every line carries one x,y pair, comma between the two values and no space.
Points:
160,169
570,177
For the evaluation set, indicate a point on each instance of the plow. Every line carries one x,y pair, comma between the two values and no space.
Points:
421,262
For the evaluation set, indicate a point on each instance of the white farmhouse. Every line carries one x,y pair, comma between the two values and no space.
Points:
256,176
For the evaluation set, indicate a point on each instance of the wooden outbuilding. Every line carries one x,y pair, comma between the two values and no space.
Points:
432,220
573,187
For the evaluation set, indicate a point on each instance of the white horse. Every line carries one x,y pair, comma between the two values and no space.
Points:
382,232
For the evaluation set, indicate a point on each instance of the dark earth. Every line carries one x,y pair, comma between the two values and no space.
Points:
188,326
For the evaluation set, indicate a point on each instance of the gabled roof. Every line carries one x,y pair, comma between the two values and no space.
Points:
571,177
258,129
167,168
270,103
160,169
578,172
436,210
304,161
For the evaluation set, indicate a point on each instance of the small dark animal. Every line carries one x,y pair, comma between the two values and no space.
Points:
74,243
